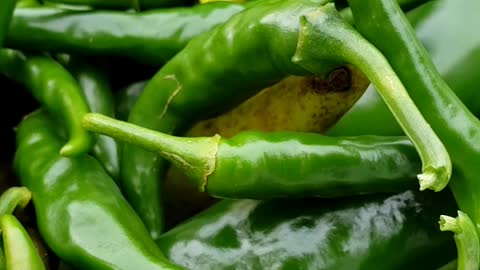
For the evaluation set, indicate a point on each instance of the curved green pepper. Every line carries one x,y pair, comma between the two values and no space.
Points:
364,232
20,251
151,37
214,64
260,165
458,128
6,10
80,212
456,55
99,97
55,88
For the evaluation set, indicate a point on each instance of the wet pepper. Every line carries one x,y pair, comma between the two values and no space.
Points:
20,251
171,100
375,232
96,228
151,37
98,94
55,88
458,128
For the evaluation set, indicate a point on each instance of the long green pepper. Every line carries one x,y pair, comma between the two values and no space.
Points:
80,212
151,37
458,128
55,88
259,165
6,11
214,64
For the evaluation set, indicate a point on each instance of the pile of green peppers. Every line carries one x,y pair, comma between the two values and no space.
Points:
104,94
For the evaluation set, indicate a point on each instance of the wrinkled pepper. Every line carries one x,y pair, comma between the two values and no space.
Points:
55,88
170,101
375,232
98,94
95,227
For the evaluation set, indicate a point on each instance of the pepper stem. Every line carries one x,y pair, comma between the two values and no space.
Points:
14,198
327,41
465,235
195,156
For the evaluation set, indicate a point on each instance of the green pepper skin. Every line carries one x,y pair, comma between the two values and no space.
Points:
365,232
55,88
151,37
81,214
126,98
458,128
125,4
265,165
6,10
271,165
171,99
456,55
20,251
98,94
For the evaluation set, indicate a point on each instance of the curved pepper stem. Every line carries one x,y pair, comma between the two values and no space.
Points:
195,156
14,198
341,44
20,251
465,235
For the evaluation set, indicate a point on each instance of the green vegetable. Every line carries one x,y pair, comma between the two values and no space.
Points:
55,88
124,4
6,10
457,127
372,232
151,37
215,64
125,99
279,164
20,251
80,212
98,94
468,247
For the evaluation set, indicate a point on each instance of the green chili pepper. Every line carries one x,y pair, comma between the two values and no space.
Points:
456,55
6,10
99,97
55,88
214,64
458,128
151,37
125,4
20,252
278,164
374,232
468,247
80,212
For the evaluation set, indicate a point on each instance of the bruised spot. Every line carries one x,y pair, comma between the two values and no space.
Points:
339,80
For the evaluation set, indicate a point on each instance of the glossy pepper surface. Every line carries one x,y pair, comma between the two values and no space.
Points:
260,165
98,94
151,37
96,228
171,100
456,55
372,233
55,88
458,128
6,10
20,251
